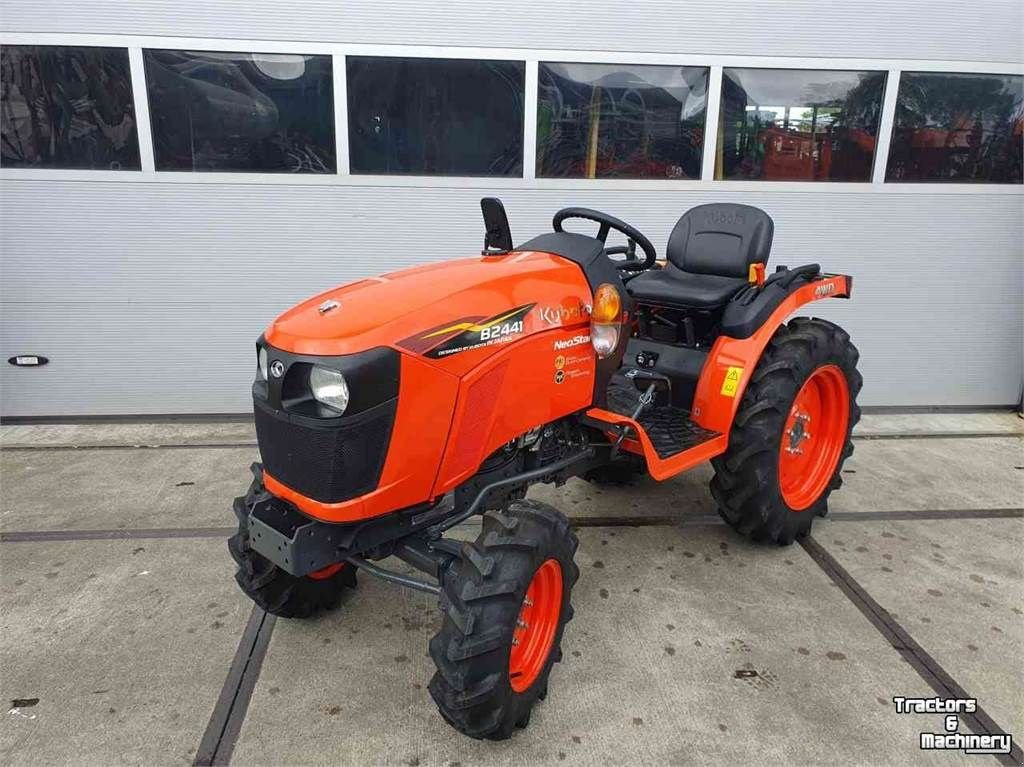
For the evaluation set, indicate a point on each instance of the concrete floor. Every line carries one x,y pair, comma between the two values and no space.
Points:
127,644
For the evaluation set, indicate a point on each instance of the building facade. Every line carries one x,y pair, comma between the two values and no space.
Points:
174,175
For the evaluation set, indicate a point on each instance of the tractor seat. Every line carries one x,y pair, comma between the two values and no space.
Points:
709,255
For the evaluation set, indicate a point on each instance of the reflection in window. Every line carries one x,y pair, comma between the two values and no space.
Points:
958,127
799,125
241,111
620,121
64,107
449,117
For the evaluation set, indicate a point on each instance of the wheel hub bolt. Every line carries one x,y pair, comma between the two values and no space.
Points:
797,433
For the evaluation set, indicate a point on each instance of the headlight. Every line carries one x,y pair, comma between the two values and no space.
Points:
329,388
605,320
263,363
604,339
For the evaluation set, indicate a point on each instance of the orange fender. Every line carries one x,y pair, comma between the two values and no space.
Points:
731,362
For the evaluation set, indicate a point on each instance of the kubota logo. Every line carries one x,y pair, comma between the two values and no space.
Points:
720,218
826,289
561,315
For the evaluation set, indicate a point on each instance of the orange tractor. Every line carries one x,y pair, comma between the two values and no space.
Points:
392,409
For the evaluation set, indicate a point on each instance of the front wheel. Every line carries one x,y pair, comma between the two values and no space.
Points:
270,587
506,602
791,433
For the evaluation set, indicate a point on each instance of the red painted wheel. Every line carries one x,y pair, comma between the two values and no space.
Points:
813,437
326,572
536,627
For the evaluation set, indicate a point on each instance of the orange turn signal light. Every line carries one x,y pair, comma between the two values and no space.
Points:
607,304
755,274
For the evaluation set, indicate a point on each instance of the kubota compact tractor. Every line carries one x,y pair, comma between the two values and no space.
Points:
392,409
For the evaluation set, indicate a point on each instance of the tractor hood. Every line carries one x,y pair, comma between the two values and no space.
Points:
385,310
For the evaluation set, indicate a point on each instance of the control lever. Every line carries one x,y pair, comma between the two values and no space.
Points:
646,400
651,385
645,379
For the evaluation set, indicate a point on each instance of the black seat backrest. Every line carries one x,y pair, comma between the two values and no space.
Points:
721,238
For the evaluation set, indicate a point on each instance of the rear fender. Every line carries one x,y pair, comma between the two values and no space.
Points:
731,362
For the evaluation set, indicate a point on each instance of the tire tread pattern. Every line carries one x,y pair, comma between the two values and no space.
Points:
481,595
270,587
745,485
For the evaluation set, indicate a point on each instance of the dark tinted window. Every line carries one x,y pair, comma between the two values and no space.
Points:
67,108
241,111
800,125
444,117
620,121
957,127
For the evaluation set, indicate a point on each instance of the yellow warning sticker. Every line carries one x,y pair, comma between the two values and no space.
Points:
731,384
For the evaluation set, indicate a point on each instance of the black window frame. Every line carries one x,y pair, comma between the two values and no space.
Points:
328,144
133,161
360,168
885,75
889,167
701,148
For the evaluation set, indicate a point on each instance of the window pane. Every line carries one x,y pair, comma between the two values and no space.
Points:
958,127
241,111
443,117
67,108
799,125
620,121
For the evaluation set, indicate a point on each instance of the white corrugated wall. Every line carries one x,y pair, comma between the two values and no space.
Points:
148,296
989,30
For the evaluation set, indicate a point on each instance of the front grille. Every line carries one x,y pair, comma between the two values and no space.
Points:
326,463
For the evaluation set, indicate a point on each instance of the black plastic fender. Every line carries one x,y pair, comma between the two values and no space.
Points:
751,307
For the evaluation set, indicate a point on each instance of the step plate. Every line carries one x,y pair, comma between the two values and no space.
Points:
669,428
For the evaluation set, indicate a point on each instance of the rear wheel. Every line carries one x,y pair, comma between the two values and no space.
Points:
506,603
275,590
791,433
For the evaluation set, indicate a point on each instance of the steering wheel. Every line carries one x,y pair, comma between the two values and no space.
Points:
632,263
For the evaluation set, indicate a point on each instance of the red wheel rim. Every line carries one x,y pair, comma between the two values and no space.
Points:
814,436
535,629
326,572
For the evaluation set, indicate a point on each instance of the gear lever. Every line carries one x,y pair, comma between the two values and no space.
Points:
650,384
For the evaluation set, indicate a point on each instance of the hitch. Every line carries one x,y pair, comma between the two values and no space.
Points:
390,575
300,545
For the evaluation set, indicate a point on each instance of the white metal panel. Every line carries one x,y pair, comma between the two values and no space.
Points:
147,289
148,297
990,30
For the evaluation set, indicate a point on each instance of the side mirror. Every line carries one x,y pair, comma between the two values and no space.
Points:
497,236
